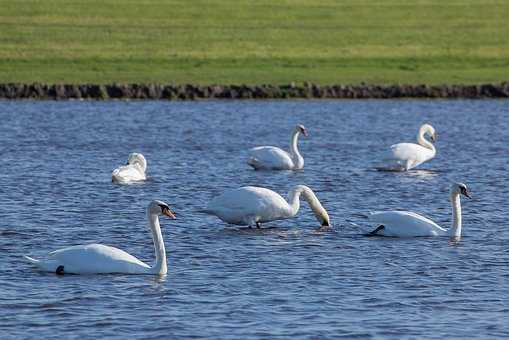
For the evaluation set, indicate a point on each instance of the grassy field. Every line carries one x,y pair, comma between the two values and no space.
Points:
254,42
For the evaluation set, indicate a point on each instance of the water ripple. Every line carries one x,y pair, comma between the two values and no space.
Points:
286,280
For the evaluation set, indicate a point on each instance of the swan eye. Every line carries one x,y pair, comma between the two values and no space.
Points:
464,191
164,207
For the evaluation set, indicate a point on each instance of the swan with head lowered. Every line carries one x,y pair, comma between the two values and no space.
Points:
133,171
405,156
274,158
410,224
102,259
254,205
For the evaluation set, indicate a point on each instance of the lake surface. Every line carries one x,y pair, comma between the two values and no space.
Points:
286,280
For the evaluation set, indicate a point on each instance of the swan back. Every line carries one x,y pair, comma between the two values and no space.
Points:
91,259
249,205
405,224
270,158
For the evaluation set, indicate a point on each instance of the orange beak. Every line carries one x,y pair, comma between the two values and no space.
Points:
169,213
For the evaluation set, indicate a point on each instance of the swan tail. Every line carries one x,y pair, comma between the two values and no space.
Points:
48,266
377,232
32,260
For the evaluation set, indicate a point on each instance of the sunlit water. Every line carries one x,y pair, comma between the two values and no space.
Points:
230,282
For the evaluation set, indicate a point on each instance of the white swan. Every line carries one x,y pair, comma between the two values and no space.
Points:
410,224
253,205
133,171
405,156
273,158
101,259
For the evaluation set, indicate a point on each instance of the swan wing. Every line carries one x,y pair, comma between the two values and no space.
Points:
270,157
405,156
248,205
92,259
128,173
405,224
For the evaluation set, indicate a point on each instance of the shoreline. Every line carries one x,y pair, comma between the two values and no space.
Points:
307,90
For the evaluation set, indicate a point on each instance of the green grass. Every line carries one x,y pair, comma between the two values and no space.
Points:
254,42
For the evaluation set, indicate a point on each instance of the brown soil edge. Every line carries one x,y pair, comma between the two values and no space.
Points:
38,91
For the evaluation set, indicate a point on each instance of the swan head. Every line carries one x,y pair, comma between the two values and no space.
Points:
323,218
430,131
157,207
320,213
460,189
136,158
301,129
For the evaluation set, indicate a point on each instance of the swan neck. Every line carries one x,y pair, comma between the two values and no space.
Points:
160,266
143,164
456,215
424,142
294,150
310,197
294,200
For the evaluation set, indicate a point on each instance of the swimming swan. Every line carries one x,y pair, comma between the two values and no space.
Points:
133,171
102,259
410,224
273,158
405,156
254,205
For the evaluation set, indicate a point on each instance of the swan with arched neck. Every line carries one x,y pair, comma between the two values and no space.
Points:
274,158
254,205
134,170
405,156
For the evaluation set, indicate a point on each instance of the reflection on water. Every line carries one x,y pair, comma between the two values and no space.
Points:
288,279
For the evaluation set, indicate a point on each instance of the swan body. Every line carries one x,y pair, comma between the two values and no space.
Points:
254,205
92,259
133,171
274,158
405,156
405,224
410,224
102,259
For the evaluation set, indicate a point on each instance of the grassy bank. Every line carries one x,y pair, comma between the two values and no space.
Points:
253,42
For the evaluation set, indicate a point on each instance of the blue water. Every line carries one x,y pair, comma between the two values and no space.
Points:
286,280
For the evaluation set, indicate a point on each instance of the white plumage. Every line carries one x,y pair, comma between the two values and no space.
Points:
274,158
410,224
405,224
102,259
133,171
405,156
254,205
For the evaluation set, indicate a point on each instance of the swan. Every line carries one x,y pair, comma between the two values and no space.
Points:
254,205
274,158
134,170
410,224
102,259
405,156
